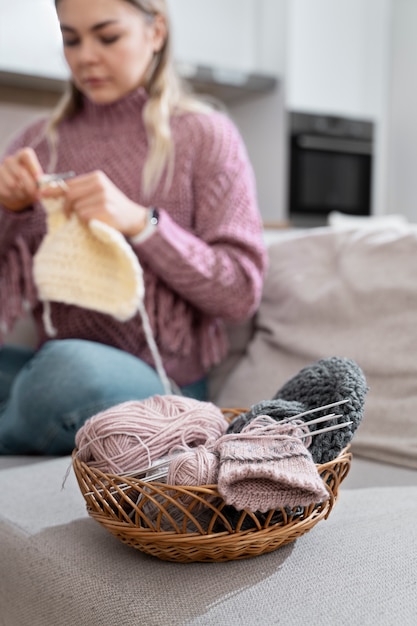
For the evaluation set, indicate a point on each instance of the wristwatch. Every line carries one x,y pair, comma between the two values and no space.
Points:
150,226
153,216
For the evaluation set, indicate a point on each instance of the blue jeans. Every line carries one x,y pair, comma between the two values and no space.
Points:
47,395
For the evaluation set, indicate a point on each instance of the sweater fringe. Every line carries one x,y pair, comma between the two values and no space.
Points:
171,319
213,341
17,289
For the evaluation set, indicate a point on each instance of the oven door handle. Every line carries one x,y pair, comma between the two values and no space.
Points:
333,144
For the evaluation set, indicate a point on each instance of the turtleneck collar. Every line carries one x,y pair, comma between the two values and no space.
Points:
113,111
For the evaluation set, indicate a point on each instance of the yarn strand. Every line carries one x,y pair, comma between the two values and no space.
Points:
154,348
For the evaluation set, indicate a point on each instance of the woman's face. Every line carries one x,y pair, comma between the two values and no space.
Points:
108,45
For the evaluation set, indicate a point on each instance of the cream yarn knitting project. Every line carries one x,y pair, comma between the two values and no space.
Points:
91,266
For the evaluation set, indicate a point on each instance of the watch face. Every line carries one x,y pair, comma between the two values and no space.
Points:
154,217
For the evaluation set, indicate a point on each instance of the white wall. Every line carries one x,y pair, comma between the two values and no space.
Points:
262,125
401,187
262,120
30,40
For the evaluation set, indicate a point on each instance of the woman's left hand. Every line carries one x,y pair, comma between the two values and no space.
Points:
94,196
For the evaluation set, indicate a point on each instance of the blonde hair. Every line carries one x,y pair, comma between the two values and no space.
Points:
168,96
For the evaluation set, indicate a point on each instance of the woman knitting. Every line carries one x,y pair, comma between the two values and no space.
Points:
166,172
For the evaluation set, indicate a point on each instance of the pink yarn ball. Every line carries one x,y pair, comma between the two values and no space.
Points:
194,467
130,436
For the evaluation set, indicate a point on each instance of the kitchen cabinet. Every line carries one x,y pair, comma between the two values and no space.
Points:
245,35
337,56
221,47
218,33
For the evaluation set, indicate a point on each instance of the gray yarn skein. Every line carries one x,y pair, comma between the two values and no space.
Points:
324,382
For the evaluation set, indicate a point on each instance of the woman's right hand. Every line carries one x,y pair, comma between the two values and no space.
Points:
19,174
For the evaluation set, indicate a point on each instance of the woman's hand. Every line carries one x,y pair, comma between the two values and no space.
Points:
19,174
94,196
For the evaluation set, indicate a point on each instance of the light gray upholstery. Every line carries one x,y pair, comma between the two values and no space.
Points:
58,567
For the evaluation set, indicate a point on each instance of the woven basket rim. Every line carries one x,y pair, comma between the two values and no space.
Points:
210,544
346,452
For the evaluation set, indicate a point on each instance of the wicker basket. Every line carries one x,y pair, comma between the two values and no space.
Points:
186,524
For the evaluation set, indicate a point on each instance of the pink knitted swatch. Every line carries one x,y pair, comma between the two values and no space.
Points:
260,471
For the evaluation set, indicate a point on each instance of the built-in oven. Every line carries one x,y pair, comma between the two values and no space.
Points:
330,167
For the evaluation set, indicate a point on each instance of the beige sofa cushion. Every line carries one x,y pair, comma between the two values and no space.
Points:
349,293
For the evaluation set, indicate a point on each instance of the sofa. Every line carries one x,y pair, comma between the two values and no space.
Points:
344,290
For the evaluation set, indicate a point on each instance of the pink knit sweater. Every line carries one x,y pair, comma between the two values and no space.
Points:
203,265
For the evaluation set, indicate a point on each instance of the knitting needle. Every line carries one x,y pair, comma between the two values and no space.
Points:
325,430
324,418
49,178
123,487
319,408
148,479
137,474
272,424
318,420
